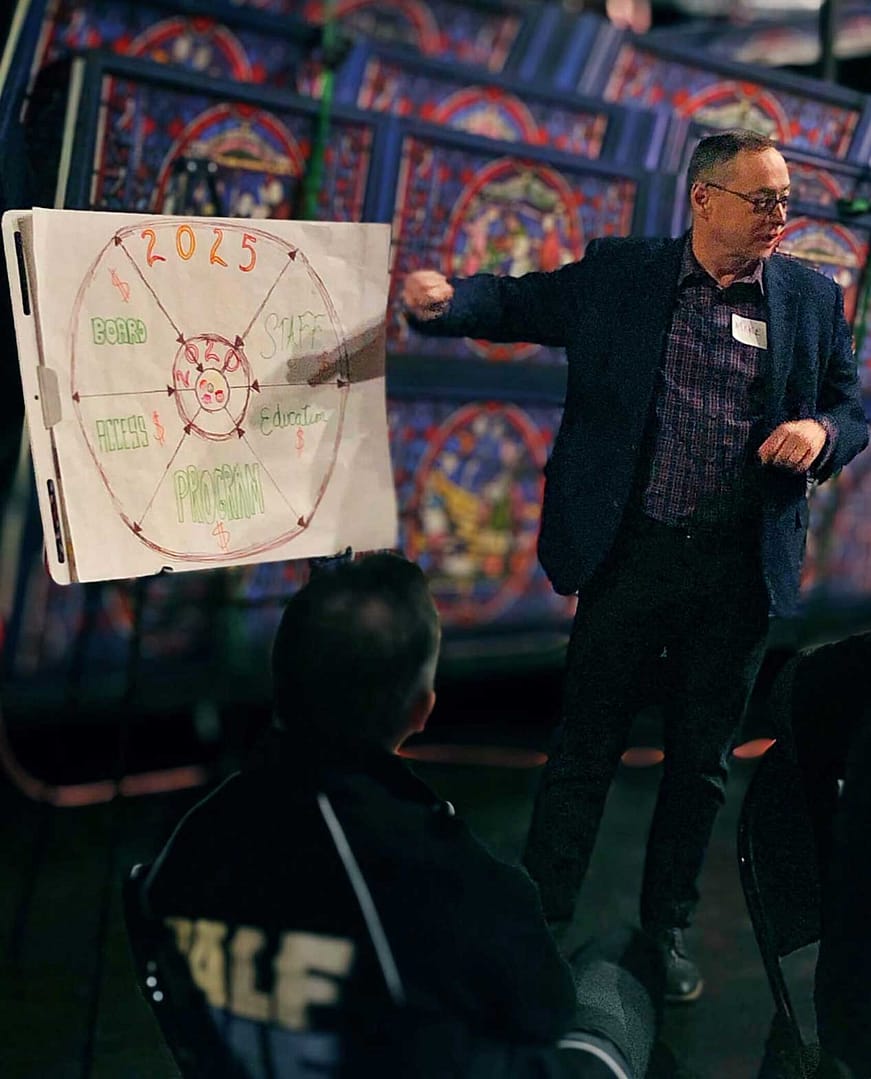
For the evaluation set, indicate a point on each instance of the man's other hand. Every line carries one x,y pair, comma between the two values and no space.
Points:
426,294
795,445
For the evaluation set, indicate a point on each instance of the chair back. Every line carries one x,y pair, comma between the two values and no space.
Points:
777,858
164,980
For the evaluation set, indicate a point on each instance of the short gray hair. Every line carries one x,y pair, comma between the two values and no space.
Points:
353,648
718,149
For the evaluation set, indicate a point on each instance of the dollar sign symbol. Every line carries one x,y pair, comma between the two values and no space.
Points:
222,534
300,441
159,429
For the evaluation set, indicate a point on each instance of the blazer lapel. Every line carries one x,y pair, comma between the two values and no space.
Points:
645,309
780,302
657,298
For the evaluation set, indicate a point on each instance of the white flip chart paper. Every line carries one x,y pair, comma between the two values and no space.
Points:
202,392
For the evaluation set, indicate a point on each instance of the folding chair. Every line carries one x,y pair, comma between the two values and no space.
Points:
164,981
778,861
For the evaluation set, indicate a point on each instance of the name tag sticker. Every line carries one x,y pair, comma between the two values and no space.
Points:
750,331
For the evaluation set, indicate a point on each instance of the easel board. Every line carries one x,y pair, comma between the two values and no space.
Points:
201,392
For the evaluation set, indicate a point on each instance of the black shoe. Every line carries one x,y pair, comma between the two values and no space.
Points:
683,979
794,1061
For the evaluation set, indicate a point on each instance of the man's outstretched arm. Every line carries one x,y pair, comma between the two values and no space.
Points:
533,308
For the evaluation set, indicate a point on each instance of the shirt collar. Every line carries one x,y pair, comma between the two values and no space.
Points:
691,267
306,756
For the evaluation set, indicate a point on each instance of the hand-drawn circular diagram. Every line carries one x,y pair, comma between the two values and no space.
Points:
473,519
209,374
512,217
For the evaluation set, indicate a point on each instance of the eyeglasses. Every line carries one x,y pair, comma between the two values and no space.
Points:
762,204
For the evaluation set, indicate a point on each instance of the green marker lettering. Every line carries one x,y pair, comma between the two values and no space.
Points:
226,493
118,331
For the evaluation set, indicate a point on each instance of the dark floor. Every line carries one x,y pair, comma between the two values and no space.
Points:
68,1005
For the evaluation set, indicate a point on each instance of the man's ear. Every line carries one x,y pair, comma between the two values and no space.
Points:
421,710
700,199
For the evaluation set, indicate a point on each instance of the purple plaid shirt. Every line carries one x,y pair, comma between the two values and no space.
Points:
708,399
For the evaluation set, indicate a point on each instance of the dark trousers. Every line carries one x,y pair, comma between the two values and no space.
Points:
699,596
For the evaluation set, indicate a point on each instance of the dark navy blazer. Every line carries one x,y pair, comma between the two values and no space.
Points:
611,312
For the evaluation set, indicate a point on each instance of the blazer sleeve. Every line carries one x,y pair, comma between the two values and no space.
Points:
839,396
536,307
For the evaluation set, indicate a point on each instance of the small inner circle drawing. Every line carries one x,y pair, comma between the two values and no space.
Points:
213,392
200,374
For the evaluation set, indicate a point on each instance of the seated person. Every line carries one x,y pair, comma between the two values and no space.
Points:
820,704
325,888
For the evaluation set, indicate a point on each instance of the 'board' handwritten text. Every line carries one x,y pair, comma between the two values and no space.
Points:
118,331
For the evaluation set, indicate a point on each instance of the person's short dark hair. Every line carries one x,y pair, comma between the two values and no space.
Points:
354,647
714,151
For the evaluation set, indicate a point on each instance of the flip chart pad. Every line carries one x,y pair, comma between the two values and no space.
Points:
201,391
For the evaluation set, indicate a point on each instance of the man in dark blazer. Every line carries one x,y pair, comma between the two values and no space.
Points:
710,380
